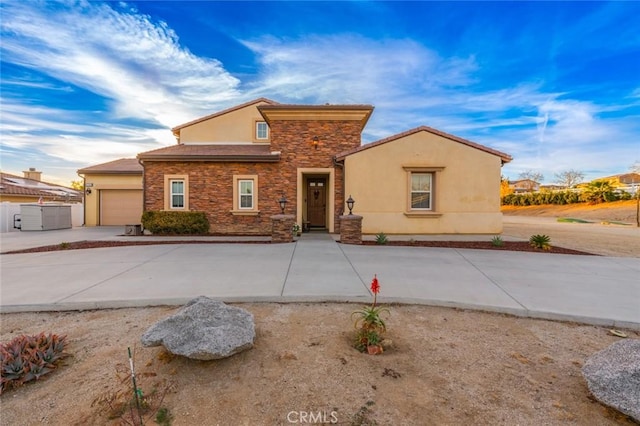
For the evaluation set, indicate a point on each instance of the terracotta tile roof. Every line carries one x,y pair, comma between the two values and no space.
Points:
212,152
505,157
19,186
122,166
226,111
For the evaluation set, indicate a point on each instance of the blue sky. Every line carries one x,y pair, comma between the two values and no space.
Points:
554,84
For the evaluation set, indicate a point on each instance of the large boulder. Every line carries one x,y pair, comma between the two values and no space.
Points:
204,329
613,376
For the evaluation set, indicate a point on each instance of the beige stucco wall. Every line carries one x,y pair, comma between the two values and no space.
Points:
105,181
234,126
466,189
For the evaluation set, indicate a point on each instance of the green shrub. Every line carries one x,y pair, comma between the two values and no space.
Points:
28,358
539,198
381,238
497,241
161,222
539,241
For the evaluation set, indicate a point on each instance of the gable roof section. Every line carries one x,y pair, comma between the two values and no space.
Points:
356,112
504,157
213,152
123,166
176,129
23,187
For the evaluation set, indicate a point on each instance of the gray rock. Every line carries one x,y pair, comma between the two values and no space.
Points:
204,329
613,376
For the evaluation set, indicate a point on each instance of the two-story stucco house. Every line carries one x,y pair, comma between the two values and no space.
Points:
236,164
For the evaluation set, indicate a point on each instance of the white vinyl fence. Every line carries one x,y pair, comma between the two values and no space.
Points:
9,210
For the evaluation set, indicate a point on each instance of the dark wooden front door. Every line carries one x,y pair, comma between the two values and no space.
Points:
317,202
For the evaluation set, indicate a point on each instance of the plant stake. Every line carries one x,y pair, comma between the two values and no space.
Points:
135,386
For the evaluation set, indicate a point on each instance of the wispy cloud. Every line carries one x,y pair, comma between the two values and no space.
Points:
119,54
147,81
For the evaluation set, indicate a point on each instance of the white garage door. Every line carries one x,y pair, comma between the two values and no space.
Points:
120,206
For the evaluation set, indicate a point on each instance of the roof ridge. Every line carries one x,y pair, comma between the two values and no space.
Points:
222,112
505,157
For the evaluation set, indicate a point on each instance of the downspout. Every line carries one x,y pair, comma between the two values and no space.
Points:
84,199
344,180
144,190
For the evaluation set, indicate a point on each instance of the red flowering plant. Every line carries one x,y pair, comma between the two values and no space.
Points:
369,323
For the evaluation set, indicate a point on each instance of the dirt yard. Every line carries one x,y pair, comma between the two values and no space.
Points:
604,234
445,366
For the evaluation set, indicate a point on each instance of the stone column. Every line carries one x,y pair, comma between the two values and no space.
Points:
282,228
351,229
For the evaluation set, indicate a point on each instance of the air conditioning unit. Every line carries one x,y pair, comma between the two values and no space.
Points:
133,230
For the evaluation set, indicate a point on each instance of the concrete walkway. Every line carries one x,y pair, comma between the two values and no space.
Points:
588,289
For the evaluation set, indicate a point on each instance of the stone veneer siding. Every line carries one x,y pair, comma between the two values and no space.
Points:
351,229
211,191
293,138
211,183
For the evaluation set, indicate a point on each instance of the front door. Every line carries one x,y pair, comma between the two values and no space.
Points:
317,202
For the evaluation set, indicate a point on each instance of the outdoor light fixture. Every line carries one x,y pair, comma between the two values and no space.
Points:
316,142
350,203
283,202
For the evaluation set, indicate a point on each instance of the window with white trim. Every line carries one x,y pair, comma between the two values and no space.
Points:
262,130
177,194
245,190
421,191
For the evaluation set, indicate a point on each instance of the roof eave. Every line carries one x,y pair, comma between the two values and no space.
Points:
215,158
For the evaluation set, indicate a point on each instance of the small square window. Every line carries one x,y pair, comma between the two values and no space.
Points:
262,130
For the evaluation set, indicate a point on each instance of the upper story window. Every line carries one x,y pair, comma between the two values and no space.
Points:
262,130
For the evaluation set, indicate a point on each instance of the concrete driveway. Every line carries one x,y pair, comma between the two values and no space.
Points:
589,289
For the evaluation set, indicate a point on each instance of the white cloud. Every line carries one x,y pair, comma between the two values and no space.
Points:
126,57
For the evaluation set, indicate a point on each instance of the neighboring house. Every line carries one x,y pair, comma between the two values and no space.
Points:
30,188
236,164
524,185
628,182
113,193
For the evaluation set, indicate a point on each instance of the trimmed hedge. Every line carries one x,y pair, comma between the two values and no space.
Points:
558,197
171,223
538,198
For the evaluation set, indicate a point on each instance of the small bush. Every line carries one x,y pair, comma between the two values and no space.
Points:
497,241
381,238
28,358
171,223
542,242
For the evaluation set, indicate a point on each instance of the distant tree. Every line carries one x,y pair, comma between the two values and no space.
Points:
569,178
77,185
533,177
505,189
598,191
635,168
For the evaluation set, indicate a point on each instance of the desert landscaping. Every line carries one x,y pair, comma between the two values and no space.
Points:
441,366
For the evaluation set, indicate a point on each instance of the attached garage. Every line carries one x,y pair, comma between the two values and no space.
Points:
120,206
113,193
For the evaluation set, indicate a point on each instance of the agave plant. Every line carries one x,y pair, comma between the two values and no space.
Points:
27,358
540,241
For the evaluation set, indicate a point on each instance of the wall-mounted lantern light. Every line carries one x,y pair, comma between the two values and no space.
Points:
350,203
283,203
315,142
